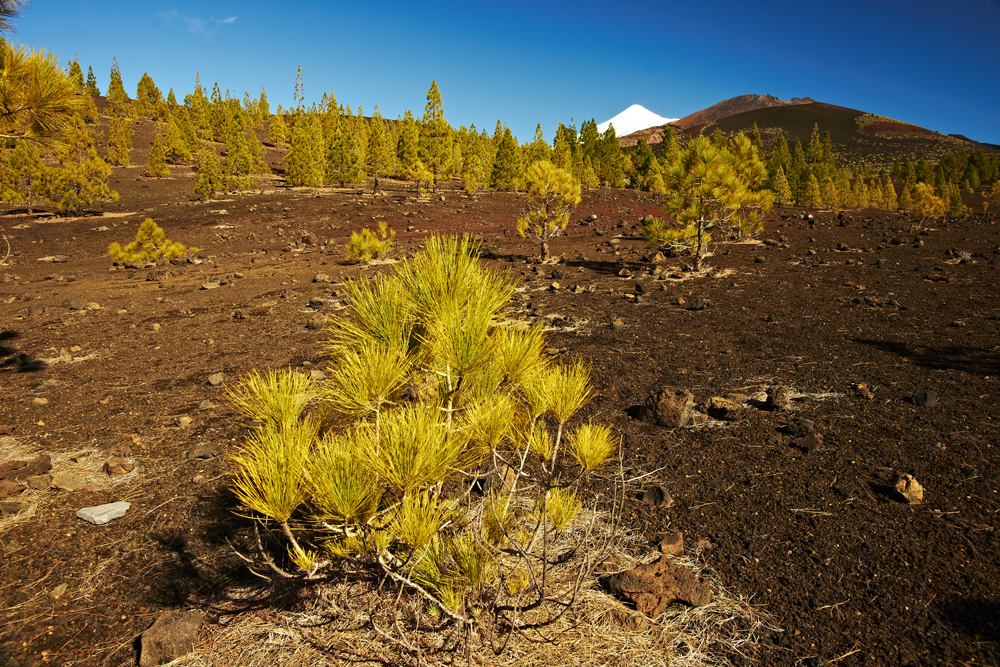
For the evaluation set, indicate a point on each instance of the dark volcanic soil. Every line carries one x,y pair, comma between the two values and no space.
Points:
851,573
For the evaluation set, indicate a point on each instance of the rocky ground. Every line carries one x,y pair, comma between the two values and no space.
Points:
877,339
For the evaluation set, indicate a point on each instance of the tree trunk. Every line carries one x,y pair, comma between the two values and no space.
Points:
699,252
545,251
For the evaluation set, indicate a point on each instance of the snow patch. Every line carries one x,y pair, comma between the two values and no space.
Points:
633,119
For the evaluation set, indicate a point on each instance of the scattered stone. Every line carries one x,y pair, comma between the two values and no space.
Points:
925,399
9,488
68,481
502,480
10,509
651,588
862,390
800,427
204,450
38,401
725,409
629,621
13,470
241,314
39,482
210,285
316,323
207,404
908,487
173,635
811,442
60,259
184,421
699,304
671,408
657,496
216,379
117,466
317,375
617,324
154,327
673,545
778,398
101,514
321,278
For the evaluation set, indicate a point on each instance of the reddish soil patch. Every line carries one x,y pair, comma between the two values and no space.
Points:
851,574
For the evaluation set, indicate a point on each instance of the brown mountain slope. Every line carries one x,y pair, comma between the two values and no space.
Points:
735,105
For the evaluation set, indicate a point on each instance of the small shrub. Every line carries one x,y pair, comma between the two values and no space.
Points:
150,243
366,245
430,390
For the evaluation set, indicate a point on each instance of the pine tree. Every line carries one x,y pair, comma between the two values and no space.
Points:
210,177
200,111
408,147
798,172
890,200
148,97
538,149
92,88
710,188
755,139
238,169
782,192
119,141
23,182
38,101
779,158
562,155
277,133
305,160
76,74
116,90
954,202
177,149
380,154
507,164
645,165
263,108
926,204
829,194
552,194
171,99
905,198
156,165
80,178
434,132
812,198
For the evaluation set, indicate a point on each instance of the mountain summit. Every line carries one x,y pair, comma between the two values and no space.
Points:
633,119
736,105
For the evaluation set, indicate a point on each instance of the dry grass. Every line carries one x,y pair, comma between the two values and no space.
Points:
88,464
343,622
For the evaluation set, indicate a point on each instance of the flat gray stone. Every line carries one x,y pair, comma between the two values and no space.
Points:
101,514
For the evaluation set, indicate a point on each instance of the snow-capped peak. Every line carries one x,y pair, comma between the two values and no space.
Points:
633,119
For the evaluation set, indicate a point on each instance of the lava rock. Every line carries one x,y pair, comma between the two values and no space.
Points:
25,469
779,398
671,408
673,544
204,450
908,487
925,399
651,588
173,635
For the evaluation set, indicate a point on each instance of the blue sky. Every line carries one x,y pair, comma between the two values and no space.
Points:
929,63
